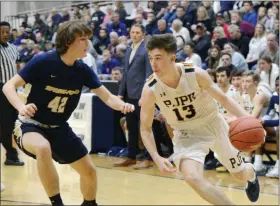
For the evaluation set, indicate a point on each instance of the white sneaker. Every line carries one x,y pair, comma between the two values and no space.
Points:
260,170
2,187
274,172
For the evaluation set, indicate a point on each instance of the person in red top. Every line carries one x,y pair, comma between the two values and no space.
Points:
220,21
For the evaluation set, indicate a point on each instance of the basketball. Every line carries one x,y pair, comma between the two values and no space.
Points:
246,134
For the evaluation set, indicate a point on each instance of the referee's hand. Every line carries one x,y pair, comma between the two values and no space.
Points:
28,110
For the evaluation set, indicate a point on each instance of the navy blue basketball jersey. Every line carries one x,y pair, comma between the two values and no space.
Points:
56,87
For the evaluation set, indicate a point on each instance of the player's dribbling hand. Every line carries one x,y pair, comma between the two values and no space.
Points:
126,108
164,165
28,110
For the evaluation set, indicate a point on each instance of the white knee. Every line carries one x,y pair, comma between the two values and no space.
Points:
43,150
193,179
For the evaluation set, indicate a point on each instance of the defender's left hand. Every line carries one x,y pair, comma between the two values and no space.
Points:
126,108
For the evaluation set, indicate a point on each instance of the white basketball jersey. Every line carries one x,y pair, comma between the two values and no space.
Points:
249,104
232,93
187,106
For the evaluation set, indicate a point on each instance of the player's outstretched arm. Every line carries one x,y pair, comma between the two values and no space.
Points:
9,89
113,101
146,117
205,82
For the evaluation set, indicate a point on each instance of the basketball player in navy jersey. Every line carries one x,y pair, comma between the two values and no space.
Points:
41,131
185,95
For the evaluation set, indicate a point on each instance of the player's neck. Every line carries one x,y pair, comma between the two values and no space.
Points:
225,88
68,58
172,77
252,93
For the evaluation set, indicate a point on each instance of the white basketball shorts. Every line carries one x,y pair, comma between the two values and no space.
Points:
195,144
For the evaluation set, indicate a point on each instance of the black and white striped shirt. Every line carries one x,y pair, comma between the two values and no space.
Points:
9,55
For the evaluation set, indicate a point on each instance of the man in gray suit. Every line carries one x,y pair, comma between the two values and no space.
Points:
137,69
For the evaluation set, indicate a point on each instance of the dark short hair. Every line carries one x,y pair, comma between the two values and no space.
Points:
139,26
4,23
118,68
162,41
224,69
237,72
190,44
67,33
249,2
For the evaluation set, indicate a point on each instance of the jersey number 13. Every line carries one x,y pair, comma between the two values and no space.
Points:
190,112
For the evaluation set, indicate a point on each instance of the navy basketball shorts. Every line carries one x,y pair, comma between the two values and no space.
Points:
66,146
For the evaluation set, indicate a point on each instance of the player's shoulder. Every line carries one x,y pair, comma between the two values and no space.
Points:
151,80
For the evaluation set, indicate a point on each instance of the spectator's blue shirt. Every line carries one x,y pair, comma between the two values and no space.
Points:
157,31
151,27
120,28
56,19
250,18
56,87
108,66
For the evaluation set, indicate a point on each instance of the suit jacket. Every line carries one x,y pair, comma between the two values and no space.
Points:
135,73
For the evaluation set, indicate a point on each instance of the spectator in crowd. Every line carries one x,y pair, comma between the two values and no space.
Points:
117,73
119,8
268,71
162,27
103,41
219,37
189,15
250,15
36,50
56,17
26,35
112,47
245,27
108,63
152,23
180,14
40,41
90,61
272,49
238,59
236,81
39,24
265,20
108,16
208,6
240,40
191,56
214,58
257,44
116,25
202,41
275,29
220,21
140,20
65,15
226,60
49,46
202,17
97,16
121,49
170,13
13,36
178,30
76,15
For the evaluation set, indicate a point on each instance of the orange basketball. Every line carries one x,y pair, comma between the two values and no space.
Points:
246,134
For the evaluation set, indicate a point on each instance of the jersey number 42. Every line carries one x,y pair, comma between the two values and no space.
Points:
57,105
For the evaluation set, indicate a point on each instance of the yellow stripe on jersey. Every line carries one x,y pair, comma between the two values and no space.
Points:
151,80
188,66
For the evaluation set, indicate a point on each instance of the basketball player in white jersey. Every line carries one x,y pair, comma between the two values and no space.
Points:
185,95
256,99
